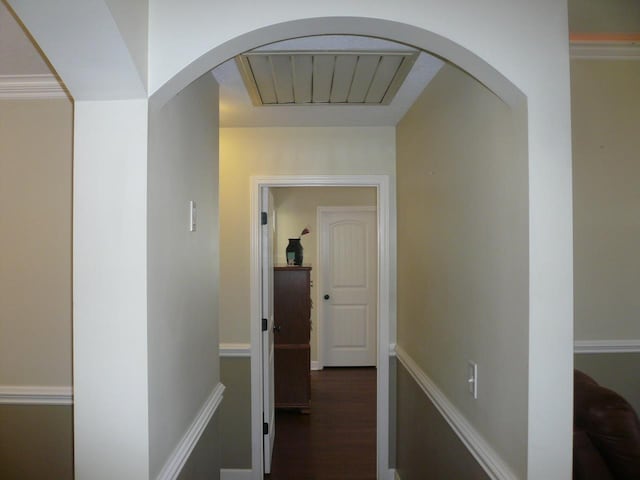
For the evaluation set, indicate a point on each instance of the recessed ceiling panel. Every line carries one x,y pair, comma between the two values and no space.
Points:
324,78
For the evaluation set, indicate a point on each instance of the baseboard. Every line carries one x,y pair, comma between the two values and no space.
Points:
315,365
181,453
484,454
606,346
235,474
35,395
235,350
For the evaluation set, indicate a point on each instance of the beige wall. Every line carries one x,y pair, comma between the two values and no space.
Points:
605,106
463,255
35,245
297,208
281,151
604,16
182,268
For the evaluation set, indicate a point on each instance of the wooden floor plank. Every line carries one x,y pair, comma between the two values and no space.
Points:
337,440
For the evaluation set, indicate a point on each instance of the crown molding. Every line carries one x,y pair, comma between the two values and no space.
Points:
604,50
30,87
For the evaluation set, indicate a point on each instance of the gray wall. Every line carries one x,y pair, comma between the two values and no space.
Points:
204,461
235,413
430,450
36,442
182,266
618,371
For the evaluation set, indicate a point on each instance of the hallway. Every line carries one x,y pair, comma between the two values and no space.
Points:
337,440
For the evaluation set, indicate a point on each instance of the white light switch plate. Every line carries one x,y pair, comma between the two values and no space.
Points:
192,216
472,378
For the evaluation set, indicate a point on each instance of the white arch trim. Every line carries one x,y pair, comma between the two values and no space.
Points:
372,27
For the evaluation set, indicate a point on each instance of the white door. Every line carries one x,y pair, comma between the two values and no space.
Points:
348,257
268,404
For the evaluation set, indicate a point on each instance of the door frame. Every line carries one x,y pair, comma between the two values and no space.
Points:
385,328
320,322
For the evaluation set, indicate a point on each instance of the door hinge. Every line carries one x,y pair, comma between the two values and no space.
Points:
265,428
263,218
264,324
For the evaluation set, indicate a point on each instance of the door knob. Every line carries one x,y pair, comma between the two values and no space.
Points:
327,297
277,328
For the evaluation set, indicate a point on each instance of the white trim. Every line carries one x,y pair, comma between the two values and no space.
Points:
235,350
35,395
605,50
385,331
392,349
606,346
187,443
28,87
396,475
319,275
488,458
235,474
316,365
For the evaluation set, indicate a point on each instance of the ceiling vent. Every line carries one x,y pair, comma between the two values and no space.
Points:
324,78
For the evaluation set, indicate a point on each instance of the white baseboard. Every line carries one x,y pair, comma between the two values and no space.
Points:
315,365
484,454
235,350
235,474
606,346
181,453
35,395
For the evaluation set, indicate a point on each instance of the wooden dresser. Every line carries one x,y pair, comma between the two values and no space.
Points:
292,333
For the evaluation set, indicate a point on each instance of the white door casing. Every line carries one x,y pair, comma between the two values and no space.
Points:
348,286
268,400
385,323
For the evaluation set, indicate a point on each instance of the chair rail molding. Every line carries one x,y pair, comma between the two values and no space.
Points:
35,395
606,346
227,350
187,443
484,454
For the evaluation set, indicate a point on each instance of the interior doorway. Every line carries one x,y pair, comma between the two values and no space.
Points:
380,188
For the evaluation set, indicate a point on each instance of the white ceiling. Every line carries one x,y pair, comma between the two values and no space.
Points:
19,56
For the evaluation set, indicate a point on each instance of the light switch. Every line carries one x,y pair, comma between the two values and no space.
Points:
472,378
192,216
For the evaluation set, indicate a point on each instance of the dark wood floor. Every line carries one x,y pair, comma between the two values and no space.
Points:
337,440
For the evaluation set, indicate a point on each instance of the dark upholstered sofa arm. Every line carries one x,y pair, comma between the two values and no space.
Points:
605,425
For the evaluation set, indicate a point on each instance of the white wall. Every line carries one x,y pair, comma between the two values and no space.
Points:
182,265
605,117
281,151
518,49
111,435
463,256
35,245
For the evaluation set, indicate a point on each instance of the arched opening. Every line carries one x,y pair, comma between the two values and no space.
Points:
467,62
